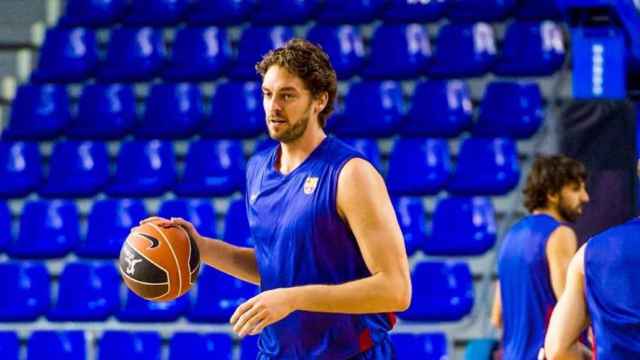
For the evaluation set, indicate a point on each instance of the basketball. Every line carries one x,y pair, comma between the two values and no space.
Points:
159,263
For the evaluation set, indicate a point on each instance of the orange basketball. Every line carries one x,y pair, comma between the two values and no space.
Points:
159,263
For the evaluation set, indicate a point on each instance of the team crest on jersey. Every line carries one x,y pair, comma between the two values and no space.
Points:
310,185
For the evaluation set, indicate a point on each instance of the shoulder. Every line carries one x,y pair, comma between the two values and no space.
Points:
562,240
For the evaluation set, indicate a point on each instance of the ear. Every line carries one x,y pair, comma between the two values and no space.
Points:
320,102
553,198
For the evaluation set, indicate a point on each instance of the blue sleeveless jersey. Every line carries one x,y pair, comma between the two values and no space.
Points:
525,286
300,239
612,278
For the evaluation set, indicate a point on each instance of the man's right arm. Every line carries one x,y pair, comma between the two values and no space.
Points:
561,247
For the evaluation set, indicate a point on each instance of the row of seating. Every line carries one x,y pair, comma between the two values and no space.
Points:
217,168
91,291
396,51
120,345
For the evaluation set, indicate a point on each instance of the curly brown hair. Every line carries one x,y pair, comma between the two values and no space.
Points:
311,64
549,175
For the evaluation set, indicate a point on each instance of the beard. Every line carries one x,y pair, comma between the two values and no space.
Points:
295,131
569,213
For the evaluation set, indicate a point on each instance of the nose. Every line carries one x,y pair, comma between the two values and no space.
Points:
585,196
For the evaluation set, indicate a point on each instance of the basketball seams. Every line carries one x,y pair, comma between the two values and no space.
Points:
186,234
151,261
173,253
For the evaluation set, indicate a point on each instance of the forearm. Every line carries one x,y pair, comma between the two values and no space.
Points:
239,262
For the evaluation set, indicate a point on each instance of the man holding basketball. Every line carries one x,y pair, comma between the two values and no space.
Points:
535,254
329,255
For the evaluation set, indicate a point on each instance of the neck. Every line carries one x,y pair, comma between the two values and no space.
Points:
551,212
294,153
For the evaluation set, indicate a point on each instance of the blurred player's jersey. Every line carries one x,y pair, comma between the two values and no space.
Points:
525,286
300,239
612,277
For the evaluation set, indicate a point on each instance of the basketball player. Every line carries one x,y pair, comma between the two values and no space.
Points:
535,254
329,254
602,289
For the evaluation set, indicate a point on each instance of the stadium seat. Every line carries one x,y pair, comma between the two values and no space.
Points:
368,148
424,346
256,41
133,54
20,168
372,109
145,168
200,346
199,54
76,169
462,226
28,286
67,55
92,13
105,111
63,345
122,345
398,51
438,109
531,49
283,12
156,12
249,348
441,292
48,229
479,10
38,112
86,292
236,225
5,226
463,50
348,12
485,167
199,212
343,44
220,12
418,166
411,217
218,295
480,349
137,309
213,168
172,111
9,345
513,110
236,111
537,10
105,239
403,11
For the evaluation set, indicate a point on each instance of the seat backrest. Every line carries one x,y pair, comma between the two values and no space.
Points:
133,54
156,12
348,12
479,10
146,162
369,148
344,45
38,112
220,12
20,168
199,53
129,345
27,287
464,50
68,345
200,346
403,11
236,111
92,13
105,111
398,51
172,111
67,55
418,166
9,345
136,309
256,41
199,212
5,226
236,224
410,213
426,346
283,11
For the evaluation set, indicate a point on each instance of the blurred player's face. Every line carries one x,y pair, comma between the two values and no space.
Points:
571,200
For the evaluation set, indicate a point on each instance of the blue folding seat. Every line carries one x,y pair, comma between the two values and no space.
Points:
220,12
28,286
398,51
48,229
67,55
5,226
218,295
133,54
236,111
249,348
368,148
77,169
410,213
372,109
9,345
418,166
438,109
172,111
144,168
137,309
105,111
463,50
403,11
87,292
256,41
38,112
199,54
441,292
343,44
199,212
425,346
462,226
531,49
156,12
485,167
67,345
509,109
20,168
348,12
200,346
283,11
123,345
537,10
93,13
105,239
479,10
236,224
213,168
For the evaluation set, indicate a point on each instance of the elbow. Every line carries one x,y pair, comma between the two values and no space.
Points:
403,296
553,350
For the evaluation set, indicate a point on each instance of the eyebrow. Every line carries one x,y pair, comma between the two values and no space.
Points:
286,88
